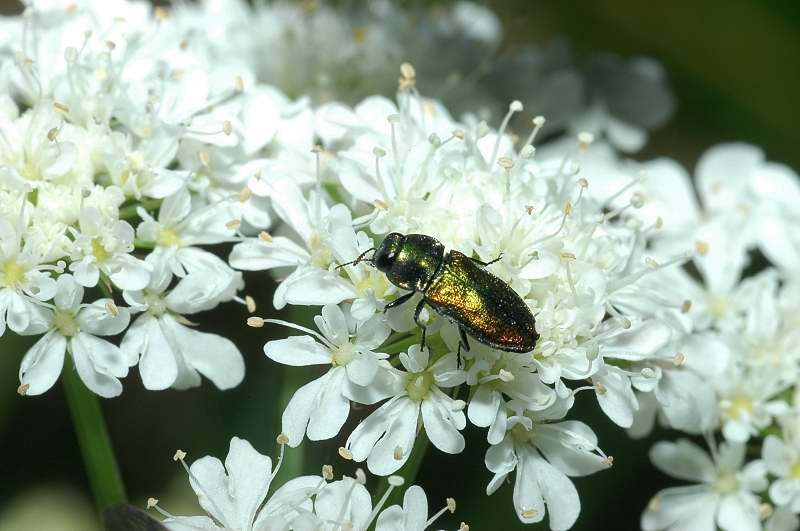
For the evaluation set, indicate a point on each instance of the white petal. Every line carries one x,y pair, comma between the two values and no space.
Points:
683,460
213,356
94,360
97,320
442,422
298,351
483,406
42,364
249,474
158,366
739,512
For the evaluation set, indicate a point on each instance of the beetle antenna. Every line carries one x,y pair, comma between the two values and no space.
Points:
358,260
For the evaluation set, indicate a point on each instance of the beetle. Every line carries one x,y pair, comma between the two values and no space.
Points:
458,287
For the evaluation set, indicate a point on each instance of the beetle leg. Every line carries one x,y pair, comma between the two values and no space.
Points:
490,262
398,301
418,311
462,342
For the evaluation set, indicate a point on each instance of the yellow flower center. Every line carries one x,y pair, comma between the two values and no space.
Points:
168,238
14,274
727,484
795,470
419,385
99,252
66,324
343,355
740,406
320,254
717,307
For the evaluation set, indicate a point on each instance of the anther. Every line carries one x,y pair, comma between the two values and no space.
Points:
451,505
583,183
585,139
608,460
282,439
637,200
255,322
458,405
686,306
60,107
505,163
398,453
463,527
344,453
701,247
435,140
327,472
515,106
649,262
678,359
227,127
647,372
530,513
601,389
70,54
245,194
361,477
180,455
527,152
655,504
22,390
396,481
112,309
568,208
233,224
659,222
238,84
381,205
506,376
265,236
408,76
152,502
250,303
568,256
379,152
205,157
52,134
458,133
765,510
111,45
161,13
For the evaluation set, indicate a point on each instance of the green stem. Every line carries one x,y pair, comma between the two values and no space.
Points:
129,212
90,428
294,459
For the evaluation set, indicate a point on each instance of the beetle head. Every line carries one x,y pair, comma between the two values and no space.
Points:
386,254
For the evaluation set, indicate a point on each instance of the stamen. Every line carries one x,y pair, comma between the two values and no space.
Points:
394,482
515,106
250,303
450,506
327,472
652,266
180,455
283,440
22,390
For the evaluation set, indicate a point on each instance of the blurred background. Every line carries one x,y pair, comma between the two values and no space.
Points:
734,69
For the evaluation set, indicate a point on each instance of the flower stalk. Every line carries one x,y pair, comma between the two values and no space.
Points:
90,427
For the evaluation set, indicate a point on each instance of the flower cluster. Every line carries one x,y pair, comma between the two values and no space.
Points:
234,495
140,146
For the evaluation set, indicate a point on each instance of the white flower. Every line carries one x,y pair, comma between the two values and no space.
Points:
543,455
25,281
73,328
104,245
413,515
170,352
182,227
385,438
234,494
320,408
782,459
723,493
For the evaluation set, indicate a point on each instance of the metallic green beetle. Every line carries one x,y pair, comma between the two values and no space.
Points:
457,287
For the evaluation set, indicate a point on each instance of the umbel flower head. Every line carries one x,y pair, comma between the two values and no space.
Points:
236,497
409,167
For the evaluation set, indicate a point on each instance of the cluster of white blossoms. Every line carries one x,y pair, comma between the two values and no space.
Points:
234,495
139,145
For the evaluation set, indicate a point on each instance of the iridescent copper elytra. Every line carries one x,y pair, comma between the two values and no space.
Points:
457,287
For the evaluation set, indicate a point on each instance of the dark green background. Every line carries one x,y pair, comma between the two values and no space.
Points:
735,71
